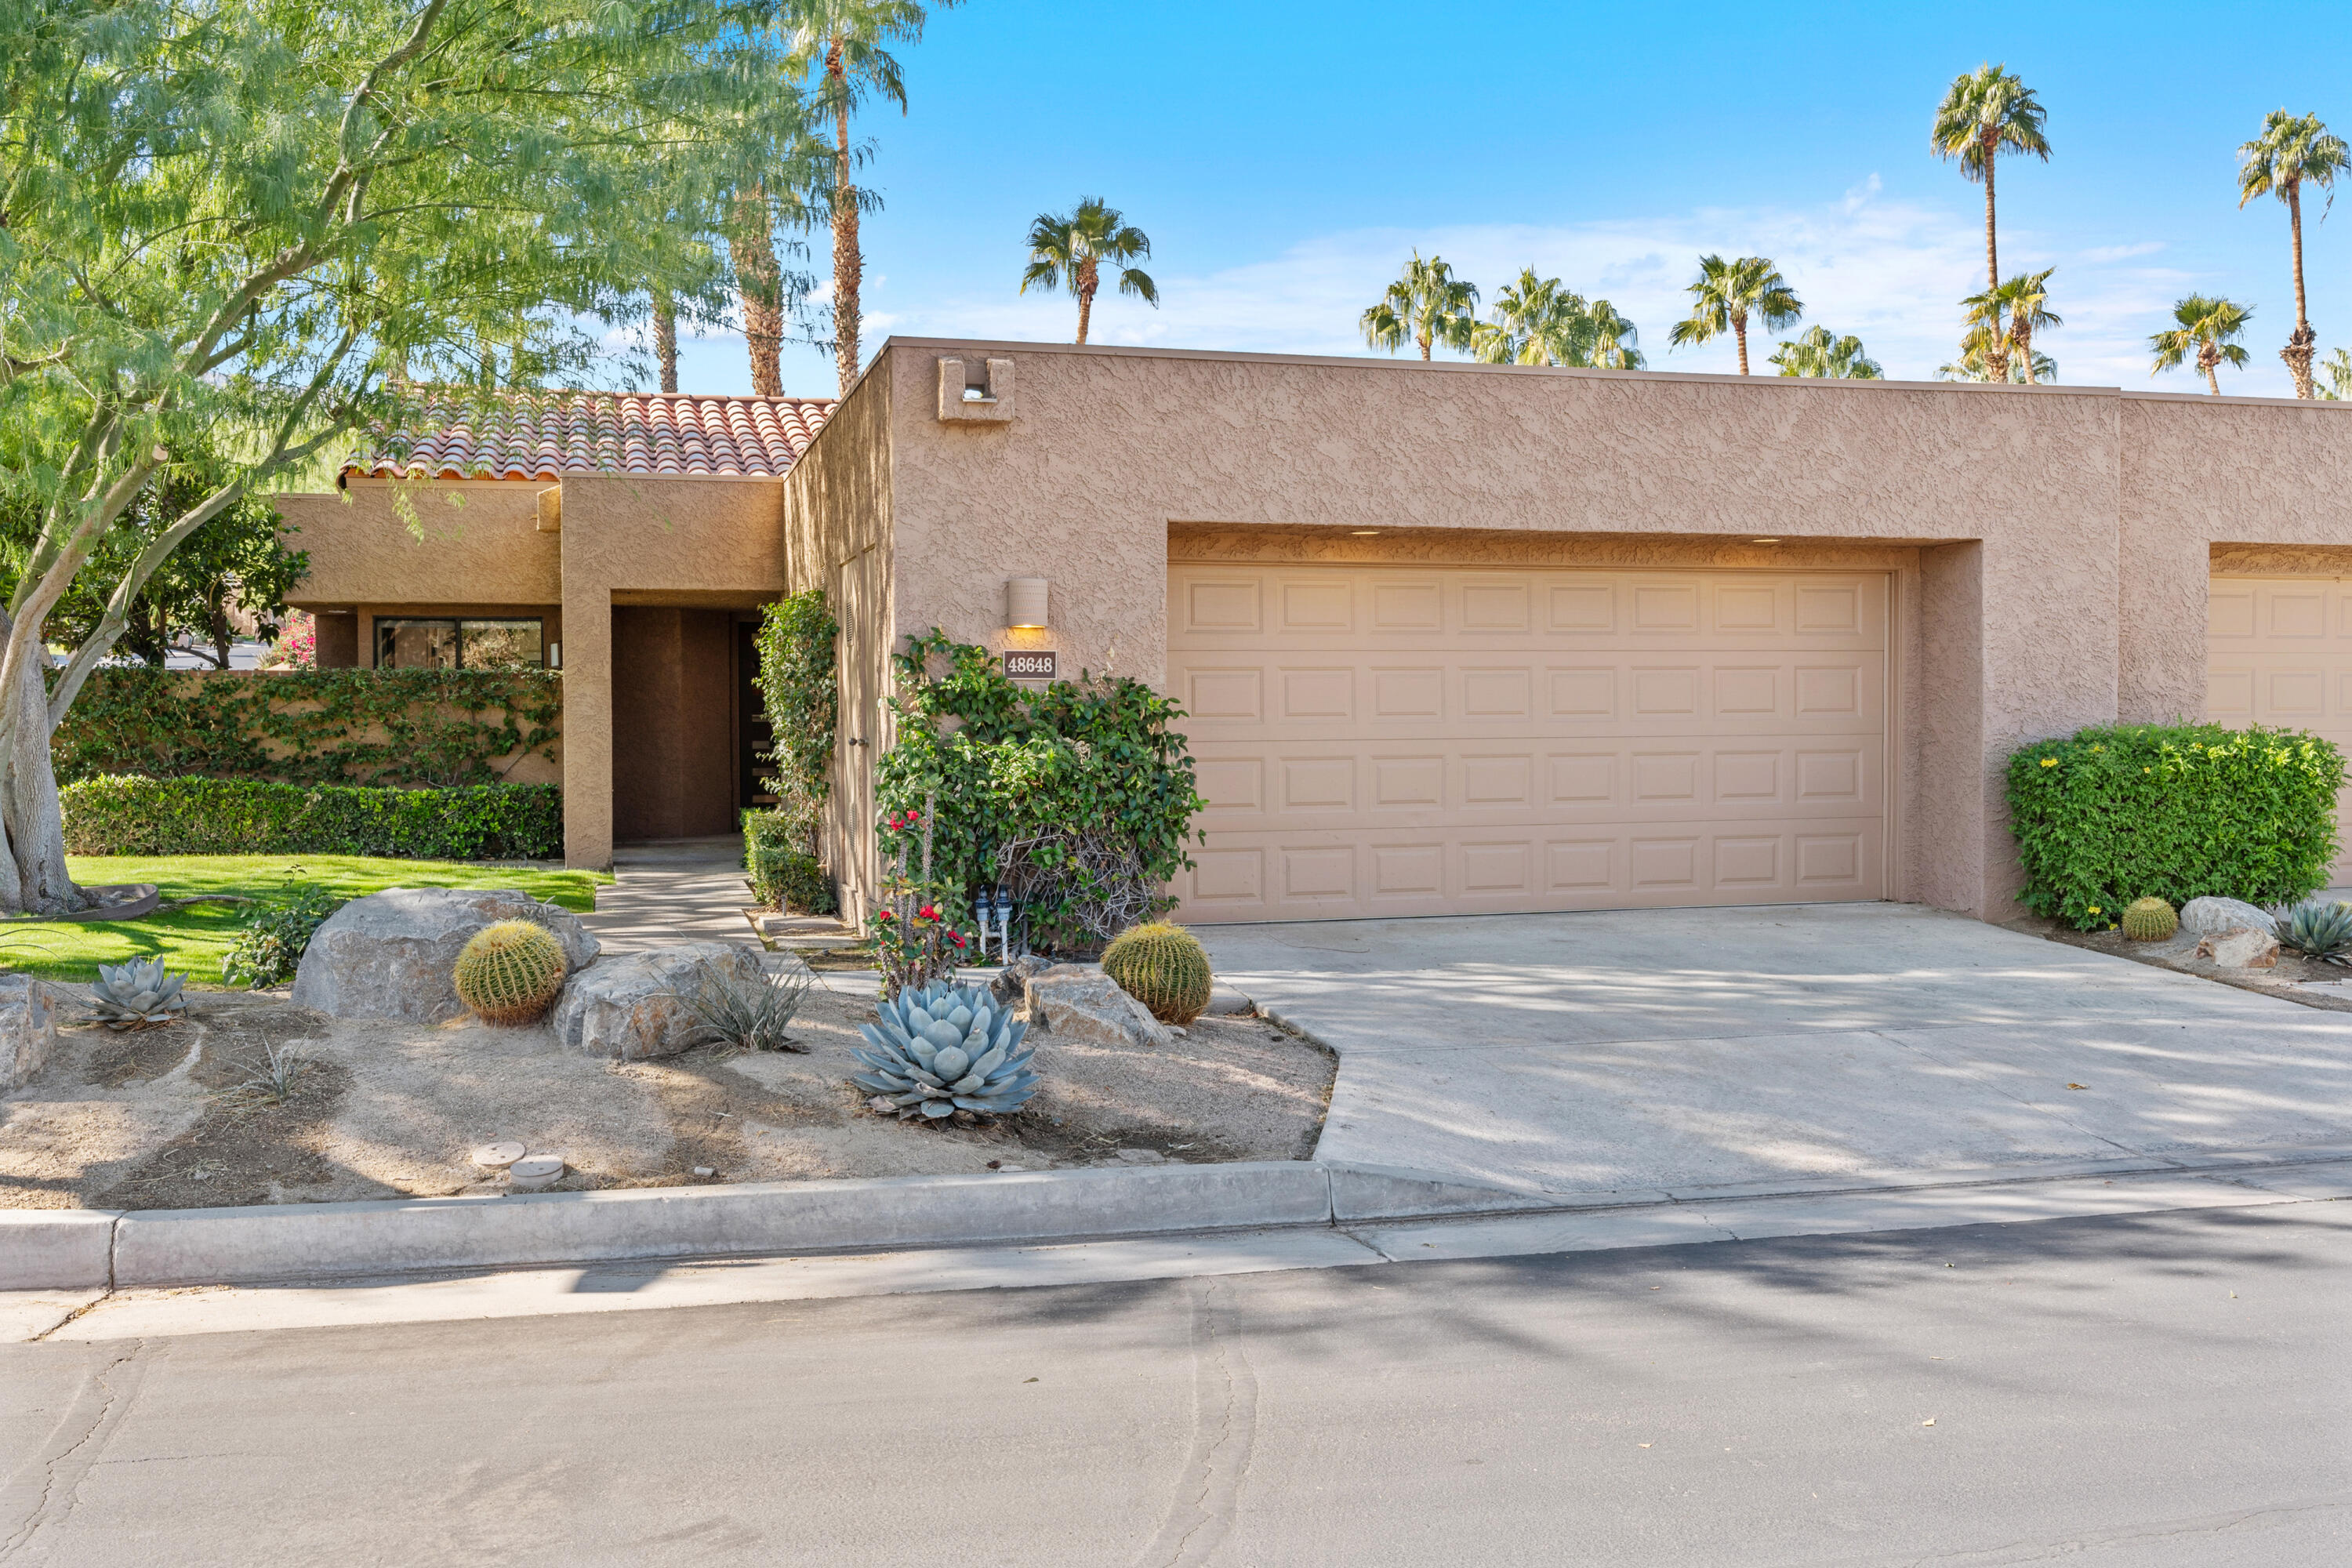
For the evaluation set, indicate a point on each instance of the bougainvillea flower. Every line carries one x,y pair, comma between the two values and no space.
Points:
928,911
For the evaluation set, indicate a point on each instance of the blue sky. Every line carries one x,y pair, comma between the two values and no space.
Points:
1285,158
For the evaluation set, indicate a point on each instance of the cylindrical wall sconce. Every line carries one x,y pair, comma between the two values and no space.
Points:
1024,603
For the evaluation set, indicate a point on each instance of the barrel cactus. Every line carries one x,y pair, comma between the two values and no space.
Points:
2150,919
1164,967
942,1048
138,994
509,972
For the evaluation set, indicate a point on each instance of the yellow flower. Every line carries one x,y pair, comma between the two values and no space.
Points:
2094,909
2049,761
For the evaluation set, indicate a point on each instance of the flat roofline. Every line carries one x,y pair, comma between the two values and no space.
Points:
1401,365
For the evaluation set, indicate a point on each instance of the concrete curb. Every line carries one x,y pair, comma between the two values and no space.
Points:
65,1249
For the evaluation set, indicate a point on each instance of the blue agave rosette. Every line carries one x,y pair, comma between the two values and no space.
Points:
945,1048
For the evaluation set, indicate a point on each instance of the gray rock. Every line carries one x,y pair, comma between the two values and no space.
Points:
1011,983
2244,948
627,1007
29,1029
2213,917
393,955
1080,1001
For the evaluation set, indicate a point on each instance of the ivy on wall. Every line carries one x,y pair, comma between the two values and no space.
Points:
396,727
796,640
1080,797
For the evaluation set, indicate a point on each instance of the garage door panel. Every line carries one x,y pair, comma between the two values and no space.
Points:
1408,741
2278,651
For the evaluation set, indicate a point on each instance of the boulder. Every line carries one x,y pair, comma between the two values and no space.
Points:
626,1006
1080,1001
393,955
1012,982
2214,917
2244,948
29,1029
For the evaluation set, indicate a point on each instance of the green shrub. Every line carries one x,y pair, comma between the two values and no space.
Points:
783,874
314,726
798,689
2173,811
127,814
271,940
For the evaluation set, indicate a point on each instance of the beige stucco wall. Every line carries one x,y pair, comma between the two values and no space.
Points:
837,528
1111,452
472,539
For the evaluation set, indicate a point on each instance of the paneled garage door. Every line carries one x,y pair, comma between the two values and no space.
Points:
1401,740
2278,651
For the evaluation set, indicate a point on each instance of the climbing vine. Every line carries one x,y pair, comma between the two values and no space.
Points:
796,642
403,727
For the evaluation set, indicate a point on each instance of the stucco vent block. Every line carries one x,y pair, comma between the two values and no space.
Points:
987,401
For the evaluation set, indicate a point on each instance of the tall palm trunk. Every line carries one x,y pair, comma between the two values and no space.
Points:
1089,281
762,281
2020,336
2209,360
1423,344
1739,330
848,266
1994,359
665,340
2301,344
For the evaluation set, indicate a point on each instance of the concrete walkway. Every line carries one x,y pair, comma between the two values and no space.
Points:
679,889
1667,1051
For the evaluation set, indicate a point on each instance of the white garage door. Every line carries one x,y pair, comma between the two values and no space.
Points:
1401,740
2278,652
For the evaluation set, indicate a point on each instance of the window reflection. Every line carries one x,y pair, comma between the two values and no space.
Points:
412,643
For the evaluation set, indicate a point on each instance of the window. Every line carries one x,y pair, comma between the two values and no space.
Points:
406,643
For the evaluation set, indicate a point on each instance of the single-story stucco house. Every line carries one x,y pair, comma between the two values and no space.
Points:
1454,638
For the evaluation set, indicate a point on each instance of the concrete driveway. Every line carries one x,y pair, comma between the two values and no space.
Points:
1779,1048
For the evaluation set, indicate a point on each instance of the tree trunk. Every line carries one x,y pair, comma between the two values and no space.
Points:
2208,358
1087,282
1423,343
2301,343
760,281
1992,249
665,340
2022,337
1739,330
33,875
848,266
223,635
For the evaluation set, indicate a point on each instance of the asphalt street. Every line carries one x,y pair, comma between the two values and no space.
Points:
2154,1389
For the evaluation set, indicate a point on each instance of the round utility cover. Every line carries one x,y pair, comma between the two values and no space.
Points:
537,1166
499,1156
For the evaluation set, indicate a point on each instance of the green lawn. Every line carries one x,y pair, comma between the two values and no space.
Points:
194,939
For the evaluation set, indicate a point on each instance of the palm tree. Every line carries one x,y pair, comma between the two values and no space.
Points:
1426,303
2290,150
2009,316
847,38
665,338
1976,361
1987,112
762,289
1727,293
1613,338
2208,327
1071,247
1820,352
2338,366
1538,320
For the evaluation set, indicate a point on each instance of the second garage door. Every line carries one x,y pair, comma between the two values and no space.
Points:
1399,741
2278,652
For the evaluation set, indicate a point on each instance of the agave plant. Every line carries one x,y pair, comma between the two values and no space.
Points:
2319,931
942,1048
134,994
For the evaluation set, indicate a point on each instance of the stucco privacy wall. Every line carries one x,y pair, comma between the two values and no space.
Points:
1110,449
836,520
2232,484
476,539
630,539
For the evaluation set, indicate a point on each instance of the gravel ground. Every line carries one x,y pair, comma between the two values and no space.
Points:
181,1117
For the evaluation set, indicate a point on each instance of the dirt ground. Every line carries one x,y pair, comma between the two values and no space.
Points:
2312,982
177,1117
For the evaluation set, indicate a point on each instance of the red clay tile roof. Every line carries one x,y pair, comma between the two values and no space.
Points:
545,436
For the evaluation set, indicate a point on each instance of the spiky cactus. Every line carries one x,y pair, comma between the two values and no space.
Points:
1164,967
2318,930
942,1048
138,994
509,972
2150,919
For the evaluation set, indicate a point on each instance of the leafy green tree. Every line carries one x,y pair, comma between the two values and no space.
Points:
1727,293
847,40
1985,113
240,230
1976,361
2206,326
2292,152
1426,304
1819,351
2009,316
1071,249
1540,320
1613,338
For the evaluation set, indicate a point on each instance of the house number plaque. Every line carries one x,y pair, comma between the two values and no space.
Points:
1029,666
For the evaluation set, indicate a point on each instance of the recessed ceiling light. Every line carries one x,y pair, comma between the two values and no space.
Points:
1763,542
1363,532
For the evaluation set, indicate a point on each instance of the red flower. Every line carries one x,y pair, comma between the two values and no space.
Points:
928,911
911,815
882,915
956,937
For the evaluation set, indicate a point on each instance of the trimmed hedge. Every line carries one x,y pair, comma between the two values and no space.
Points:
124,814
782,875
2176,812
